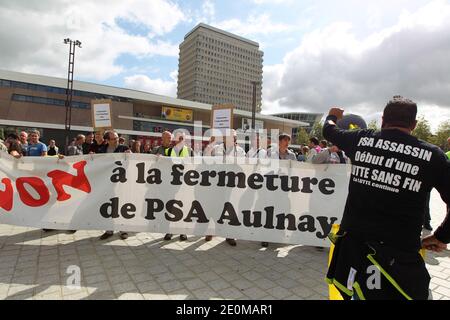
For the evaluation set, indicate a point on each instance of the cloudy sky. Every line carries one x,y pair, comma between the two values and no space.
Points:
318,53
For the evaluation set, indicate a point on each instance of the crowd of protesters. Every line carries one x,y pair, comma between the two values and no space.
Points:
28,144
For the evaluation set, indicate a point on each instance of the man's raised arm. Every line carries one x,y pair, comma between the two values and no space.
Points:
345,139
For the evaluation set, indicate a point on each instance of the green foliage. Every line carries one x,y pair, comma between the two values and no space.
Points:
442,134
316,130
423,130
373,125
302,137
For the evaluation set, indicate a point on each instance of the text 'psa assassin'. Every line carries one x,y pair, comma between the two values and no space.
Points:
393,173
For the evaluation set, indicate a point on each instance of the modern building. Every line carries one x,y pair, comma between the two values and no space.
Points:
217,67
30,101
309,118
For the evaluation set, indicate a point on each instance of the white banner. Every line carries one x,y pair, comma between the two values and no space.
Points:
295,203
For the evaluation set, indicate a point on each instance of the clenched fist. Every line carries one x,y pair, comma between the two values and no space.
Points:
338,112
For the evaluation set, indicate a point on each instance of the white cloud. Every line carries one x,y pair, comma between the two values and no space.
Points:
32,34
254,25
156,86
209,10
273,1
206,13
260,24
332,65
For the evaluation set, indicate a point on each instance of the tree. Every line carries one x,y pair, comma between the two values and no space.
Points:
423,130
302,137
373,125
442,134
316,130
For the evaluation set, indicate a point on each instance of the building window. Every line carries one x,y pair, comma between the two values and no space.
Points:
49,101
61,91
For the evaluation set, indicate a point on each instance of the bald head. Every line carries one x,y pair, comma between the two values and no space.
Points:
166,138
23,136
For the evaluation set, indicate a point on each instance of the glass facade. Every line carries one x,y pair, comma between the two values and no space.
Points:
309,118
49,101
55,90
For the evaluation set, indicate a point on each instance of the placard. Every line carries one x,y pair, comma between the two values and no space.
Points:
222,117
101,114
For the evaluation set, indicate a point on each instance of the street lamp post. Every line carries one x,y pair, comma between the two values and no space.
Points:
69,91
254,83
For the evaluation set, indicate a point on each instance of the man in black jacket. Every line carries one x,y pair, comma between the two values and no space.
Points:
392,173
112,146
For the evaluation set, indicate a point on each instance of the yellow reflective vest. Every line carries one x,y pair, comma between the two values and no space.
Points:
170,152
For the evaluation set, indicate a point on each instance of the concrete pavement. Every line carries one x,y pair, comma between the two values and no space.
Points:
38,265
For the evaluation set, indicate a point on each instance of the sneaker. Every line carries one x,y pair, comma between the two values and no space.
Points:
168,236
183,237
208,238
123,235
106,235
265,244
231,242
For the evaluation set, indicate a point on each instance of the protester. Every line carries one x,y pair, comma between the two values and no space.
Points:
330,155
314,149
282,152
13,146
112,146
23,137
303,154
147,148
382,221
77,148
209,148
15,149
323,144
52,149
166,142
87,144
256,148
136,146
198,146
99,141
36,148
122,141
228,149
130,143
179,150
257,151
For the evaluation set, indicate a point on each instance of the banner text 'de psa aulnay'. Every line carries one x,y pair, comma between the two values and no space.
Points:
275,201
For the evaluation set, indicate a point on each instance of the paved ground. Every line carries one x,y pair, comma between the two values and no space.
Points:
35,265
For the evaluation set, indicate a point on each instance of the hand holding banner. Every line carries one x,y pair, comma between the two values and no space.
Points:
294,203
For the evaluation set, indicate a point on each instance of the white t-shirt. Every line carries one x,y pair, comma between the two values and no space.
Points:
208,150
235,151
257,153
